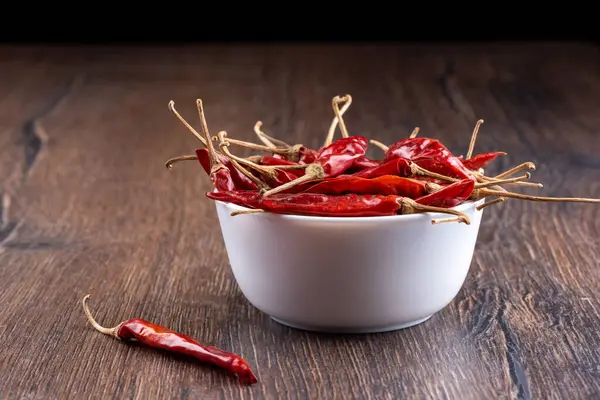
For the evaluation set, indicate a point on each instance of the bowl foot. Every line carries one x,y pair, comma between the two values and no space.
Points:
376,329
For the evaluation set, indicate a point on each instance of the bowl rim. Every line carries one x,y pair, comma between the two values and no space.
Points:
468,205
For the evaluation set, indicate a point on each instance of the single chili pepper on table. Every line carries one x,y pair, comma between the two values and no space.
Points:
314,204
159,337
430,154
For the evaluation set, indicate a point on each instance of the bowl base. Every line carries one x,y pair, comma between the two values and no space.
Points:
357,330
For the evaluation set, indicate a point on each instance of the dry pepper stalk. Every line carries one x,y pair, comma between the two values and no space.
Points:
338,179
159,337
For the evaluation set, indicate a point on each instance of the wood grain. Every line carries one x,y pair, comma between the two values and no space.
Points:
88,207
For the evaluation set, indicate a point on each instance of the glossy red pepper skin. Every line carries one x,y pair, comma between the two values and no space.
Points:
239,180
450,195
156,336
431,155
221,178
383,185
312,204
281,176
307,155
397,166
364,162
481,160
340,155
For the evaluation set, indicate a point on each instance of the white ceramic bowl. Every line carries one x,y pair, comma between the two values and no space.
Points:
349,275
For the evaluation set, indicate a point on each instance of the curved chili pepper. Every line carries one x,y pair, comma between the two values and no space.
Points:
384,185
450,195
240,181
481,160
430,154
398,166
322,205
341,154
159,337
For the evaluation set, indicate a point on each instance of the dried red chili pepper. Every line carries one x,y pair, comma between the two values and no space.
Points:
384,185
364,162
341,154
398,166
159,337
220,175
430,154
450,195
307,155
404,168
273,161
240,181
481,160
313,204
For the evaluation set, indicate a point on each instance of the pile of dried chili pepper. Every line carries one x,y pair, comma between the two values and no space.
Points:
414,175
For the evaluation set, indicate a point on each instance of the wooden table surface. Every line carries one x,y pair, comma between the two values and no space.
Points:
89,207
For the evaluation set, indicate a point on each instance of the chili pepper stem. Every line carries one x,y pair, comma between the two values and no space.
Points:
503,181
258,147
266,139
446,220
171,161
338,118
237,161
347,99
257,159
249,175
224,145
409,206
261,136
253,211
267,170
379,144
419,171
184,122
107,331
483,179
489,203
414,133
313,171
473,139
481,193
526,165
215,164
